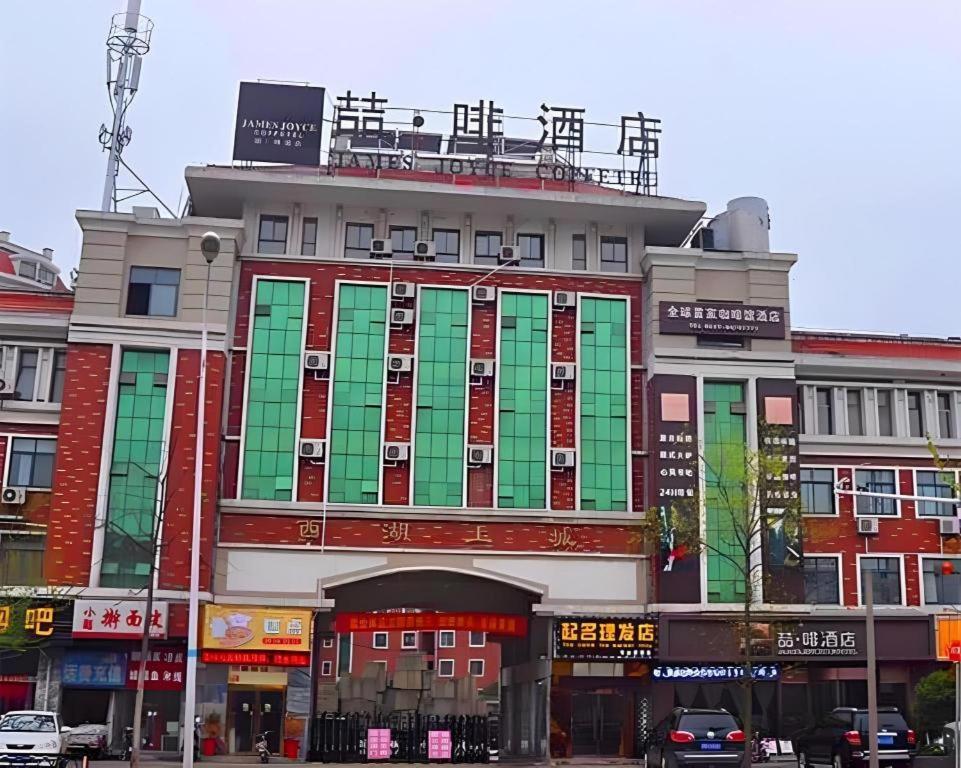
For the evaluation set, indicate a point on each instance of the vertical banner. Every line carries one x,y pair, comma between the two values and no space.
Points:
674,490
780,494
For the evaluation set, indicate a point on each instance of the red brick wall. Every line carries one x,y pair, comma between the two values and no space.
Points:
70,535
905,535
400,395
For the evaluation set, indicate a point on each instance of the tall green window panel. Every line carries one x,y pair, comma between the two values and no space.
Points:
725,435
441,397
138,445
522,387
603,404
354,457
273,390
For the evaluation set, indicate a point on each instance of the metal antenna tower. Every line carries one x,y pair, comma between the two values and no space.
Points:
127,43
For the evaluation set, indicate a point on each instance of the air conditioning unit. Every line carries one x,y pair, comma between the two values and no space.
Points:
381,249
313,449
510,254
316,361
867,525
481,368
562,371
403,290
400,363
13,495
564,299
425,250
562,458
7,384
949,526
394,452
399,317
480,454
484,294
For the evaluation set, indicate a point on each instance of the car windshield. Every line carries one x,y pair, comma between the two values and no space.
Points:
718,724
35,723
887,721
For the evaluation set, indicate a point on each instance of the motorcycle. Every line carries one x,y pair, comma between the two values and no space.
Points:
127,750
759,753
260,745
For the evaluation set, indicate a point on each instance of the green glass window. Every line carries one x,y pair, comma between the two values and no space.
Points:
603,404
522,401
727,516
138,442
273,390
358,395
441,397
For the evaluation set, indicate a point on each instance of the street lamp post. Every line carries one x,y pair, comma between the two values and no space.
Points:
210,248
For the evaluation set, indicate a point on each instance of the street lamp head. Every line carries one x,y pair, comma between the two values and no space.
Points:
210,246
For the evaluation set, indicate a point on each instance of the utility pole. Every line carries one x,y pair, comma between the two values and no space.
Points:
872,671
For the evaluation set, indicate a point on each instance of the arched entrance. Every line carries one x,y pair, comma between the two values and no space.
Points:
438,642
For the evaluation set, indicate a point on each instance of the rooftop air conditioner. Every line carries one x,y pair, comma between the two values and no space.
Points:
867,525
13,495
564,299
562,458
403,290
480,454
380,248
394,452
425,250
484,294
313,449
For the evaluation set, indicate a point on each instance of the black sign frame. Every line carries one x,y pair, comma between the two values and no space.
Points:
279,123
585,644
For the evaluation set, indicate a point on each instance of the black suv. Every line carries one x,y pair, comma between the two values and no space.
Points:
841,740
695,737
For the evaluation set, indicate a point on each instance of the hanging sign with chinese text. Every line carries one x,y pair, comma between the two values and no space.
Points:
94,669
493,623
165,670
255,658
718,673
249,629
711,318
110,619
801,641
604,638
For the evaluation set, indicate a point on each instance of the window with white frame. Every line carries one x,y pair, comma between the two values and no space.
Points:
446,639
875,481
326,668
817,490
821,580
942,580
855,412
31,462
28,363
916,414
945,401
445,668
823,397
477,639
885,402
940,485
380,640
408,640
58,375
885,575
476,667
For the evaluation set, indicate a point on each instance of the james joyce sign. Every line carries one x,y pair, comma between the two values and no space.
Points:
279,123
703,318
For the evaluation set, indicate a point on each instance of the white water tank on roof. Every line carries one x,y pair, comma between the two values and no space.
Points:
744,226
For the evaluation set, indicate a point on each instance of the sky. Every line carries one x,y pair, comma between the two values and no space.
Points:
842,115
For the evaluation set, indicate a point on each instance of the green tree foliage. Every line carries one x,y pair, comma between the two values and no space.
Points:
934,700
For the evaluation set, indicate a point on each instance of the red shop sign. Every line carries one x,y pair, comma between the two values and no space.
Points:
256,658
166,669
493,623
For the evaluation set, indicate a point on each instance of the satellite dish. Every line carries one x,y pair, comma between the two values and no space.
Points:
418,121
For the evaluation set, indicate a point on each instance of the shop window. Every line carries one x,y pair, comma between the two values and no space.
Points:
308,245
272,237
939,485
476,667
21,560
825,411
855,412
408,640
942,581
875,481
380,640
487,247
579,252
885,575
613,254
31,463
477,640
445,668
916,414
447,246
945,415
821,584
326,668
26,383
152,291
357,239
885,413
402,241
446,638
817,491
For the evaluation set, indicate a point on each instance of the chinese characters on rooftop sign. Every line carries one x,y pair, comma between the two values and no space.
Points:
704,318
107,619
279,123
493,623
588,638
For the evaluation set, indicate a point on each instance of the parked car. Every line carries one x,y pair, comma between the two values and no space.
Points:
841,740
701,737
32,737
88,739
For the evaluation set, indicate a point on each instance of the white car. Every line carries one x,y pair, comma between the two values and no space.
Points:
30,737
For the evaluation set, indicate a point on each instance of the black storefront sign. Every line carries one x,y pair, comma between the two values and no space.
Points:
713,318
805,642
279,123
603,638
